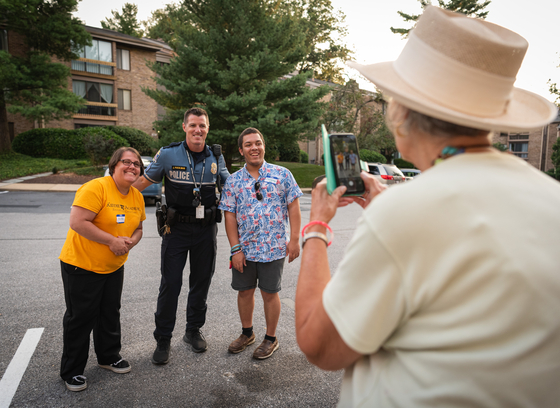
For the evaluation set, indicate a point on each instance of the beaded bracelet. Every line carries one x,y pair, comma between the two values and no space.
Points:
324,224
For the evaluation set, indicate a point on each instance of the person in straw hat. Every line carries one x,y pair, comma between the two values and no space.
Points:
456,302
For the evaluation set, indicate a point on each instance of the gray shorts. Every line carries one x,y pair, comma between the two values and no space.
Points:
268,275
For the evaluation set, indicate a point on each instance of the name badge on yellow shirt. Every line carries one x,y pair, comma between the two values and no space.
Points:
120,218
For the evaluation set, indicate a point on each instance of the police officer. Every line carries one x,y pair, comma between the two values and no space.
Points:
191,170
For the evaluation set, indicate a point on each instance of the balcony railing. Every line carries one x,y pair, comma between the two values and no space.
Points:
98,110
93,67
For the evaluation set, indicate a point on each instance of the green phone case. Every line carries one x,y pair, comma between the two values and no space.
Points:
329,169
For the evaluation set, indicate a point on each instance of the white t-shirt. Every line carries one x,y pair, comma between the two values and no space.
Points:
451,288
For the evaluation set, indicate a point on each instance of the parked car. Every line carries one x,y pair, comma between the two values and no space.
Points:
409,174
384,174
394,171
154,190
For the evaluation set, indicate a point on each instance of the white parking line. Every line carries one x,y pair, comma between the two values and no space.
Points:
14,373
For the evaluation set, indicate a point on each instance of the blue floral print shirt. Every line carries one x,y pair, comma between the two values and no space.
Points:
262,225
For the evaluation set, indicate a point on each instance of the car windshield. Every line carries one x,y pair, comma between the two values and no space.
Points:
393,171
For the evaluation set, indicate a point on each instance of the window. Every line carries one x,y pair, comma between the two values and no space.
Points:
124,99
3,40
93,91
100,51
123,59
520,149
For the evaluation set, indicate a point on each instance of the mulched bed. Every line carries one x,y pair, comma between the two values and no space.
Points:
61,178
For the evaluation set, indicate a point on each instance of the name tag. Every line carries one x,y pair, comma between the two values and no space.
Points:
120,218
271,180
200,212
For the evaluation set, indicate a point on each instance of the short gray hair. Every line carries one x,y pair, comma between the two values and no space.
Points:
427,124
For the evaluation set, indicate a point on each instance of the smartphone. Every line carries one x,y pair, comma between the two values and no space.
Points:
346,162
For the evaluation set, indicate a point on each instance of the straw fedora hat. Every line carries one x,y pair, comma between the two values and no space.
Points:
462,70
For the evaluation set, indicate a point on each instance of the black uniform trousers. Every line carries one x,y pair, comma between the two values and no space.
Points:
93,302
200,241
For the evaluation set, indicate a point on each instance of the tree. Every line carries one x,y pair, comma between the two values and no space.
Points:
31,84
323,28
234,60
468,7
324,35
555,91
357,111
125,22
556,159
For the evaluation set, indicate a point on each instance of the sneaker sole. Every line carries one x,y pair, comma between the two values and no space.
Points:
160,362
268,355
116,370
76,388
192,347
239,351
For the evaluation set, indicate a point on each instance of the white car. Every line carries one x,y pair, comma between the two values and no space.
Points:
409,174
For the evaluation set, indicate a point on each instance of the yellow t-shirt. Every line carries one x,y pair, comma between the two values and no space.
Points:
117,214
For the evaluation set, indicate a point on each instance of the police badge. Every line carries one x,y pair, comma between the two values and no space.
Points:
214,168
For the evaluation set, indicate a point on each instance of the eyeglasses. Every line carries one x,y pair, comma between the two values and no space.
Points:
128,163
259,194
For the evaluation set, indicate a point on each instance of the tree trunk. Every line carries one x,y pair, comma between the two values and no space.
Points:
5,142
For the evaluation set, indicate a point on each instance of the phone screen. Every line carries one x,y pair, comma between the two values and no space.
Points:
346,162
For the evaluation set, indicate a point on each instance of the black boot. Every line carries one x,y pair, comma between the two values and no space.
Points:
161,355
195,338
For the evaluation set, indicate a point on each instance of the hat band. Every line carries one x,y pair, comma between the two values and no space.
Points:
451,83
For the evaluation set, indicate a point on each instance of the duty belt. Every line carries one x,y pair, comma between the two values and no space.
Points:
189,219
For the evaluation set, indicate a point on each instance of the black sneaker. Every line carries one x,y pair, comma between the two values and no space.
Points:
195,338
120,367
161,355
77,383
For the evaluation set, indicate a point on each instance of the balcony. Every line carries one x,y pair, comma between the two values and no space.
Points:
98,111
94,68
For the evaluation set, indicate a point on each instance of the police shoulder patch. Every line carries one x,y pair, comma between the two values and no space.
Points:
156,156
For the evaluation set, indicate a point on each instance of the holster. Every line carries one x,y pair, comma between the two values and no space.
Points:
161,216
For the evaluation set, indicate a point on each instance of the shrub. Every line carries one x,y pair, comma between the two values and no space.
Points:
500,146
289,152
141,141
50,142
303,157
401,163
100,143
372,156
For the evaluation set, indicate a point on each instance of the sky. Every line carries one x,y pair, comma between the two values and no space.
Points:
369,34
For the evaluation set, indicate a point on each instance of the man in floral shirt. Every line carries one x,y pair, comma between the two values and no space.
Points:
257,201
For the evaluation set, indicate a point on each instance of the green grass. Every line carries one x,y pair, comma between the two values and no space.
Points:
14,165
303,173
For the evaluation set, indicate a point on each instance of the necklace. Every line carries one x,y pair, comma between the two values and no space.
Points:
449,151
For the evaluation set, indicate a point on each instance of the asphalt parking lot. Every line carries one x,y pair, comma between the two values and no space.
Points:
34,226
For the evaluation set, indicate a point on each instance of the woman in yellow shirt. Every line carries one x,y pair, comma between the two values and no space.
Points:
105,224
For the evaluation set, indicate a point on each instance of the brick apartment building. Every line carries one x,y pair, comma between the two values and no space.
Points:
109,74
535,147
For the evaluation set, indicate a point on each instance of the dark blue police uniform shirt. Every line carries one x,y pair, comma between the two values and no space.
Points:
172,163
